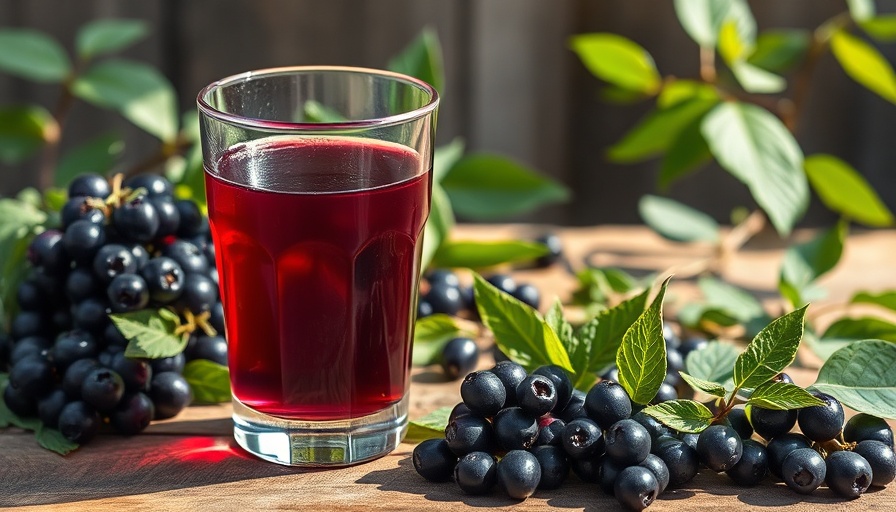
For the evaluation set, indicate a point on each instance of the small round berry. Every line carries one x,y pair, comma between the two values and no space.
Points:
555,250
588,470
49,407
681,460
90,314
102,388
133,414
81,284
72,346
780,447
551,433
582,438
46,251
136,219
528,295
174,363
434,461
29,346
155,185
554,466
89,185
476,473
164,279
128,292
822,422
470,434
187,255
515,429
19,403
627,442
771,423
659,470
444,299
752,467
135,373
882,460
653,426
169,215
424,309
79,208
847,474
511,375
803,470
483,392
33,376
191,218
503,283
607,471
536,395
443,277
199,293
79,422
460,409
689,438
113,260
636,487
737,417
75,375
82,240
459,357
863,427
607,402
719,447
561,381
666,393
691,344
575,408
170,393
519,474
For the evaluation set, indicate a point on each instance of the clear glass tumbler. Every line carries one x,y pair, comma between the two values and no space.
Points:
318,182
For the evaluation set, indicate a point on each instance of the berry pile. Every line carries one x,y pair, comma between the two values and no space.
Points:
523,432
120,248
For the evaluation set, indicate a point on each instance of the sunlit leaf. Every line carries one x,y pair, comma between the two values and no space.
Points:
617,60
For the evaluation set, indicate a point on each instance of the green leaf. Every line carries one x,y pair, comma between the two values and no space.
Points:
704,317
862,376
33,55
677,221
804,263
55,198
676,91
886,299
481,254
882,28
209,381
708,387
772,350
108,36
150,333
779,50
737,302
682,415
486,187
431,426
713,363
23,130
864,64
757,80
687,152
854,329
422,59
519,330
782,396
564,330
97,155
139,92
658,130
617,60
431,333
843,189
861,10
598,285
703,19
438,225
20,221
47,438
641,357
444,158
53,440
757,149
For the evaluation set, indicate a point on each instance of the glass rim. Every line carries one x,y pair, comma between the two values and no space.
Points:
206,108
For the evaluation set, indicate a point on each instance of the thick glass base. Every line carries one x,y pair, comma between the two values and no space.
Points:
320,443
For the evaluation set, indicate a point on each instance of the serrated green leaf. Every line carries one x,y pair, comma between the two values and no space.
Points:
107,36
23,131
782,396
861,10
422,59
886,299
431,426
677,221
53,440
431,333
682,415
209,381
882,27
438,225
617,60
150,334
844,190
854,329
655,133
482,254
862,376
484,186
755,147
687,153
864,64
564,330
708,387
444,158
138,91
641,358
772,350
33,55
734,301
778,50
96,155
519,330
804,263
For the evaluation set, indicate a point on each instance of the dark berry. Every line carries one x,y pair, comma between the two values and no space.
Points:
135,373
212,348
128,292
459,410
882,460
73,345
75,375
737,417
79,208
113,260
155,185
582,438
607,402
164,278
780,447
519,474
90,314
673,341
511,374
719,447
689,438
588,470
681,460
29,346
654,427
82,240
433,460
81,284
607,471
191,219
444,299
169,216
515,429
483,392
636,488
503,283
28,323
554,466
468,296
90,185
691,344
49,407
803,470
187,255
783,378
199,293
561,381
424,309
217,317
29,296
555,250
174,363
847,474
141,255
476,473
443,277
822,422
659,470
79,422
19,403
470,434
771,423
536,395
136,219
133,414
170,393
33,376
863,427
528,295
752,467
459,357
575,408
666,393
551,433
102,388
627,442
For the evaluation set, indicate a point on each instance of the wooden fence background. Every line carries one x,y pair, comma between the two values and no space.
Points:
513,85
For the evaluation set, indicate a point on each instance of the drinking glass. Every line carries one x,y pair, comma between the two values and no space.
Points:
318,182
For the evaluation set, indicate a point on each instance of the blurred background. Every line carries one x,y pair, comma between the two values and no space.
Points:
513,85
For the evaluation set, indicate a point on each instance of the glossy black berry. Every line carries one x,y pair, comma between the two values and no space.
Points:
551,433
217,317
46,251
562,383
133,414
654,428
135,373
519,474
136,219
29,346
164,279
822,422
719,447
659,470
443,277
73,345
536,395
582,438
863,427
627,442
780,447
433,460
128,292
680,459
803,470
607,402
170,393
666,393
28,323
689,438
847,474
155,185
752,467
102,388
636,488
476,473
29,296
737,417
528,295
75,375
691,344
515,429
444,299
555,250
141,255
554,466
882,460
459,357
470,434
79,422
511,375
169,216
90,185
503,282
191,219
459,410
113,260
187,255
212,348
49,407
81,284
79,208
19,403
672,340
174,363
483,392
199,293
33,376
82,240
771,423
575,408
588,470
424,309
607,471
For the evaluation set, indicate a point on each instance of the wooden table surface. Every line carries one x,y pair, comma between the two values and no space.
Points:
192,463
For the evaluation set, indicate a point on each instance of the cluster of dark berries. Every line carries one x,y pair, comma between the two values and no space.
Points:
119,249
524,432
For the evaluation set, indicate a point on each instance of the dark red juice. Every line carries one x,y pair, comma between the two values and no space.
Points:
318,265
